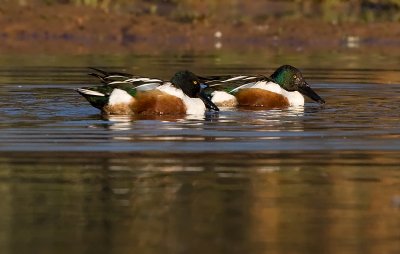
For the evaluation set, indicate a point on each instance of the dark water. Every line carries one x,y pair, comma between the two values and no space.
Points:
313,180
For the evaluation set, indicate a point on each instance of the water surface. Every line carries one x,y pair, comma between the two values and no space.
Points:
318,179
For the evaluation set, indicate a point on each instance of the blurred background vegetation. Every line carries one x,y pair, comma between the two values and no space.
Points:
187,11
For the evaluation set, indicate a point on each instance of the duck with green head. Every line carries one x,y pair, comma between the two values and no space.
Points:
284,88
123,94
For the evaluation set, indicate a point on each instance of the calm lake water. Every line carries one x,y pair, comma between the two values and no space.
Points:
313,180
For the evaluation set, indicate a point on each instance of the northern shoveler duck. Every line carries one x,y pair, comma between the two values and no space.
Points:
285,87
123,93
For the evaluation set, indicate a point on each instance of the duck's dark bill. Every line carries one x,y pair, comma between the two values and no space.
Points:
207,101
307,91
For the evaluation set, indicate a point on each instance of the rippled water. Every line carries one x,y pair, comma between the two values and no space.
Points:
312,180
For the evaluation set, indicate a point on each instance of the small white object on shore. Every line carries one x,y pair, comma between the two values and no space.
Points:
218,34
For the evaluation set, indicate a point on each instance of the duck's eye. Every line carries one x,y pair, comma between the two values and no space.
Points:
294,76
195,82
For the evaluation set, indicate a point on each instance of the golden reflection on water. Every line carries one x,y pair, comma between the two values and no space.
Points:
337,194
199,203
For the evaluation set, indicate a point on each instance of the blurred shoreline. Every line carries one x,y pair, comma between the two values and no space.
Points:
61,28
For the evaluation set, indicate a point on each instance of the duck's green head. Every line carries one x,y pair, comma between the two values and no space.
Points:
191,85
291,79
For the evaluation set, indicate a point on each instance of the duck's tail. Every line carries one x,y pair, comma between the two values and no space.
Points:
96,98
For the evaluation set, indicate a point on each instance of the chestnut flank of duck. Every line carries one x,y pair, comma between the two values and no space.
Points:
256,97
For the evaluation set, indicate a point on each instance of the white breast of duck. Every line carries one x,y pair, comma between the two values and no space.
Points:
194,106
221,98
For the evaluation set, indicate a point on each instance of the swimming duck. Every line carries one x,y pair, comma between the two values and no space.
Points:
285,87
123,93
